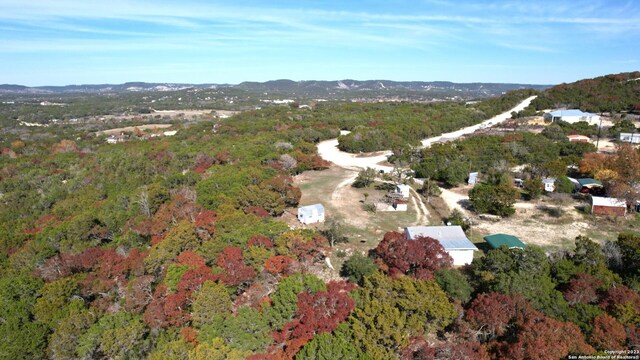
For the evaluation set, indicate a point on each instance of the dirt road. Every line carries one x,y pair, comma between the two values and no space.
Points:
329,151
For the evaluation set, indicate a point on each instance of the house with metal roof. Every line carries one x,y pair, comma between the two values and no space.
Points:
572,116
608,206
510,241
452,238
311,214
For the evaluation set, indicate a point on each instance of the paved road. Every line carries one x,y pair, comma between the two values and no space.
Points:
329,151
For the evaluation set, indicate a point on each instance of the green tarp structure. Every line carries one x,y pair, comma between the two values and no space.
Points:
588,182
497,240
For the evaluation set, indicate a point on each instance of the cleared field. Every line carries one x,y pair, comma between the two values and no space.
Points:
365,229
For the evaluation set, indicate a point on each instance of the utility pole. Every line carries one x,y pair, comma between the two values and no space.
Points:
599,127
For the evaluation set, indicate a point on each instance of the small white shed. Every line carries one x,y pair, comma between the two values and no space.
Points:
404,190
452,239
549,184
311,214
473,178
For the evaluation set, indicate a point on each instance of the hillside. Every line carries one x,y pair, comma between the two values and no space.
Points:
180,247
618,92
310,88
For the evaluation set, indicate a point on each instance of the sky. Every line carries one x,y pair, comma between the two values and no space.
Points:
61,42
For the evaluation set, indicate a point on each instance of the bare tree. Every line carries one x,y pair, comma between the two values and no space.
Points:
288,162
143,201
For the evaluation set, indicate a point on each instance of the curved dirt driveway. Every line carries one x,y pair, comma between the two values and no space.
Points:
329,151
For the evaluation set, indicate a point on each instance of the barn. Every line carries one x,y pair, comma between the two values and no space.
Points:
452,239
608,206
311,214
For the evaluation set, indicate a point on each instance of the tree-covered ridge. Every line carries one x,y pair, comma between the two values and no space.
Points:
391,126
610,93
168,249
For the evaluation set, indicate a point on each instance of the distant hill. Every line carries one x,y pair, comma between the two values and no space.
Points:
383,87
616,92
99,88
310,88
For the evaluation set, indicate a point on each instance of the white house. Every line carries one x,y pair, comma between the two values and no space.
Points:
452,239
549,184
311,214
404,190
572,116
630,138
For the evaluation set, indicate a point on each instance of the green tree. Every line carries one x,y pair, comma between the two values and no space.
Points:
357,267
211,301
19,337
56,301
174,273
335,231
457,218
254,196
171,350
533,187
247,331
389,312
454,283
522,271
64,340
337,345
564,185
494,199
216,350
117,336
365,178
455,172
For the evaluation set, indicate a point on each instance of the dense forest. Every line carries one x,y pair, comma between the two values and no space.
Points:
392,126
171,248
610,93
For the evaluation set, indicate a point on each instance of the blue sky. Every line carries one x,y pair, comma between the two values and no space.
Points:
59,42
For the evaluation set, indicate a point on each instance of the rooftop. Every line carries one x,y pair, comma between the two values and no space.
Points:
497,240
589,182
571,112
607,201
450,237
309,208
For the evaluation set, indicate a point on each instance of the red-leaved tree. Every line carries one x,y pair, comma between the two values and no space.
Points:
317,313
419,258
608,333
582,289
235,271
